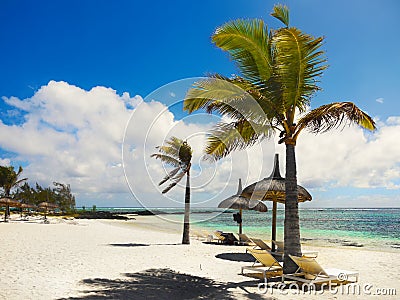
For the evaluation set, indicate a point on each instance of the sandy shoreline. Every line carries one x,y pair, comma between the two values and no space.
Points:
110,259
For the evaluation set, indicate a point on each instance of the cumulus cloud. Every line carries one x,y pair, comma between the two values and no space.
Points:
210,181
379,100
351,157
5,162
75,136
71,135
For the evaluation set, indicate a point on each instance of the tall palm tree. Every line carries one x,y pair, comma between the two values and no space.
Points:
9,179
279,71
178,154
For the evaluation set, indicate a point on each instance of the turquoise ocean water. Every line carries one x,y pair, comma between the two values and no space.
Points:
361,228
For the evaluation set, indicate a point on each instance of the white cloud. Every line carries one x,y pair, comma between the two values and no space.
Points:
5,162
354,201
379,100
75,136
351,157
71,135
157,124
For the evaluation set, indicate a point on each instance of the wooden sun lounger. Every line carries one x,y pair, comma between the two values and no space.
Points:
311,272
264,263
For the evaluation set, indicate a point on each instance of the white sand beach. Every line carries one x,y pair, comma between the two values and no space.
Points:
143,258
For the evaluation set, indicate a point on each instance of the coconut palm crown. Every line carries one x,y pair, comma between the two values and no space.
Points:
279,71
178,154
10,179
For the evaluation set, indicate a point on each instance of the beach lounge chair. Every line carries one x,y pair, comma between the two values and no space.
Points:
280,250
220,237
245,240
209,236
264,263
279,246
226,237
311,272
198,234
264,246
261,244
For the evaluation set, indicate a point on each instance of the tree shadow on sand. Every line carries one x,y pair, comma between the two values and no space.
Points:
141,245
130,245
162,284
245,257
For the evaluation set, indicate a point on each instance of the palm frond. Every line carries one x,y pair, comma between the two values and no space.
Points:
177,153
281,12
18,182
298,64
170,151
175,181
247,41
234,97
330,116
227,137
166,159
215,93
20,170
170,175
171,147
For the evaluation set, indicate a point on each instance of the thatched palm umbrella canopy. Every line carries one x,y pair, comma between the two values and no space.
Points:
8,202
241,203
26,205
46,206
272,189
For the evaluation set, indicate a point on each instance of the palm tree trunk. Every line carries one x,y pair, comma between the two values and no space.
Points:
7,194
292,224
186,227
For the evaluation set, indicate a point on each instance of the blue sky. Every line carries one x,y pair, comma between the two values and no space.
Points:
139,46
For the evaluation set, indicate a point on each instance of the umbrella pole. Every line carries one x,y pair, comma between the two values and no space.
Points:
240,224
274,207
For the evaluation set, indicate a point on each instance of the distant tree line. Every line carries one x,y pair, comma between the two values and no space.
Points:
60,194
11,186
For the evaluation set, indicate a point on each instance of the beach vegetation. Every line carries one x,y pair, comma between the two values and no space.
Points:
15,187
9,180
279,71
178,154
60,195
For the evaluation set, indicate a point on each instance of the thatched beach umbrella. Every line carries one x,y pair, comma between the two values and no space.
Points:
8,202
46,206
272,189
26,205
241,203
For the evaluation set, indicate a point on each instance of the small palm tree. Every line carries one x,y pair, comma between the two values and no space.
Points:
9,179
178,154
279,70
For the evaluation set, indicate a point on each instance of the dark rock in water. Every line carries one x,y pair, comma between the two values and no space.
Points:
143,213
101,215
351,244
